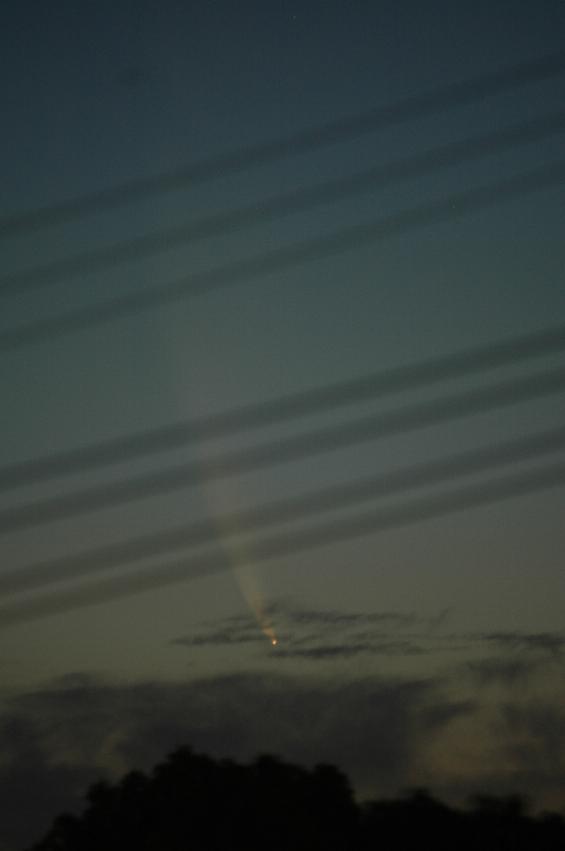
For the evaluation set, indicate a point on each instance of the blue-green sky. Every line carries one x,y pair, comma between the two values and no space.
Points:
423,656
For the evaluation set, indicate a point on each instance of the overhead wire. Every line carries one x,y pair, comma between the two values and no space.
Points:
250,521
293,542
302,199
307,444
407,418
282,409
325,134
282,259
347,495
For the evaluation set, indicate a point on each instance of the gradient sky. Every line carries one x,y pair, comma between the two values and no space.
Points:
430,655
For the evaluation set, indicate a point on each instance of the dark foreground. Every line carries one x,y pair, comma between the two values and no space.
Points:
195,803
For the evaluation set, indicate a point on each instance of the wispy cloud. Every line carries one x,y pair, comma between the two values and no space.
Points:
325,651
347,650
501,671
317,636
320,634
222,637
546,642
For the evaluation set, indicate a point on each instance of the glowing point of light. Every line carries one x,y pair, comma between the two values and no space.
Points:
274,642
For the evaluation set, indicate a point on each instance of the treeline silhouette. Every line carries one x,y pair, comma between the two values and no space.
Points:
194,802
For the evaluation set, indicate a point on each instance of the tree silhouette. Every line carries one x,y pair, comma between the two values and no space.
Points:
195,803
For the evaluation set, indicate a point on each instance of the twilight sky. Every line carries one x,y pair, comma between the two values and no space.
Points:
430,654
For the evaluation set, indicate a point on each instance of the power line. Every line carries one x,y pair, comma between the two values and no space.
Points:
338,530
282,409
285,258
323,135
281,205
304,445
297,508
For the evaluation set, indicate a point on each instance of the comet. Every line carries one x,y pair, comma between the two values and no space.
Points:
251,592
266,626
241,557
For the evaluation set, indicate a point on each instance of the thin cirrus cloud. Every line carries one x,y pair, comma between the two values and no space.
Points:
501,671
344,651
546,642
323,634
226,636
325,651
319,635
